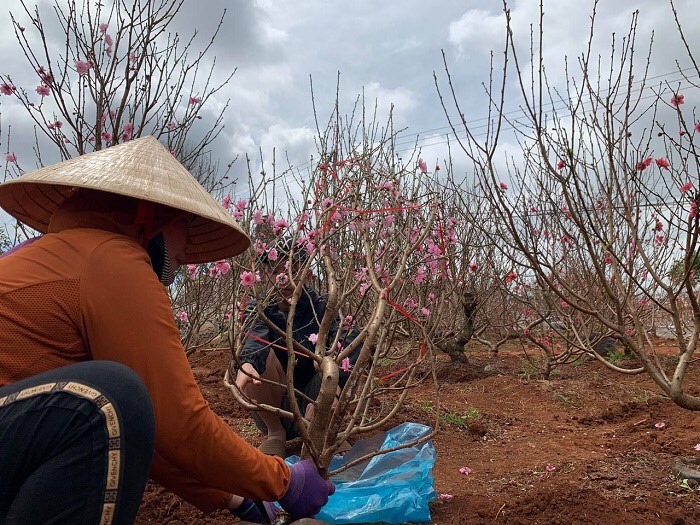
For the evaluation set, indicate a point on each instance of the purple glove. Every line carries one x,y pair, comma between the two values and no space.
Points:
307,491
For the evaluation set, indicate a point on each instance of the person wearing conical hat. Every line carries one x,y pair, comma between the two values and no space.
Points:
96,393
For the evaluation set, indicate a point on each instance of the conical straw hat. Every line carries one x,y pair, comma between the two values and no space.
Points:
142,169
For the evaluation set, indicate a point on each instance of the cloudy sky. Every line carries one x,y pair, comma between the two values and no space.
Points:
387,49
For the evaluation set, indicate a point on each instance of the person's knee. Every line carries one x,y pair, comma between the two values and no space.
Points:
274,371
262,393
125,389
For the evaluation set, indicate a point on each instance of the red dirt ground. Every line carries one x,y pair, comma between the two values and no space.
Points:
595,427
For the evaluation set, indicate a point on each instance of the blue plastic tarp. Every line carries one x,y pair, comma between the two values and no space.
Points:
395,487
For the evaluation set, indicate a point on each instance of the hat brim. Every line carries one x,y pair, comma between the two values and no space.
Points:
141,169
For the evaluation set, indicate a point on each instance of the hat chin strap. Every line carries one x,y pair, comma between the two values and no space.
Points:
144,215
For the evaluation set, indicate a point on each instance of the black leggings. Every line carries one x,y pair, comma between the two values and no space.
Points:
75,446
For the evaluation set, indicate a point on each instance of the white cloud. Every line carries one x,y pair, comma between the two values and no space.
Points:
403,100
289,139
477,28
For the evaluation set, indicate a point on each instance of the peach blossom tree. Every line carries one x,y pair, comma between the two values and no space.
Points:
362,222
601,202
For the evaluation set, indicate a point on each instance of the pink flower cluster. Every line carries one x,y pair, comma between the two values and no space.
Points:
127,131
219,268
644,164
7,89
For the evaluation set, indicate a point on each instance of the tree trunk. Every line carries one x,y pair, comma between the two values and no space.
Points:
454,346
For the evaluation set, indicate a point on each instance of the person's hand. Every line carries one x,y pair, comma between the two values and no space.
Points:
307,492
247,374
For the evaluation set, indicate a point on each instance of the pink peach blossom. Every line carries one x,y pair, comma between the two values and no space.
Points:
420,275
45,76
662,163
223,266
281,280
82,67
249,279
677,100
279,225
43,90
345,365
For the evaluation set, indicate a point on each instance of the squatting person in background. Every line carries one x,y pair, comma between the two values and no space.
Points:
95,388
264,353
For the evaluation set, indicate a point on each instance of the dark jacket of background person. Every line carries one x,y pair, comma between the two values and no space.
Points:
261,338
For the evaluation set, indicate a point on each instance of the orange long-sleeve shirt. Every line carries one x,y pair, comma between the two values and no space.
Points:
86,290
